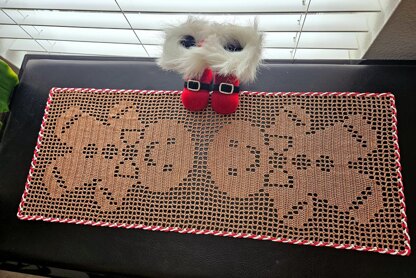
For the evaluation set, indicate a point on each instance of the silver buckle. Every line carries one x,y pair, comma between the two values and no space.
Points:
226,92
193,82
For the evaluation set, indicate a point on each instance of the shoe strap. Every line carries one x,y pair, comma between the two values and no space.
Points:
195,85
226,88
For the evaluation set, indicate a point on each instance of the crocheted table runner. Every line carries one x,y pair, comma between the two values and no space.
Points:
304,168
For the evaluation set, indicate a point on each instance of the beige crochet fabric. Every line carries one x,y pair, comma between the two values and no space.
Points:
316,168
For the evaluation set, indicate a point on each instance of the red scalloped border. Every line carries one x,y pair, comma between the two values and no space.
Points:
405,252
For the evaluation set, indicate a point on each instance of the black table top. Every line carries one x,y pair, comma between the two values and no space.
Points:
139,252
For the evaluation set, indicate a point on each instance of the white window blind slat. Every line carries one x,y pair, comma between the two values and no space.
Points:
13,31
286,22
328,40
325,40
94,48
344,6
79,47
4,19
322,54
68,18
150,37
103,5
282,23
82,34
213,6
153,50
26,45
280,39
273,53
5,44
353,22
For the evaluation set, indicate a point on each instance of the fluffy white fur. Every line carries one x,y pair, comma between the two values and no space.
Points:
192,62
189,62
242,64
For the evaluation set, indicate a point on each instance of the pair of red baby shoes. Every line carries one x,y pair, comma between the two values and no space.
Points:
225,90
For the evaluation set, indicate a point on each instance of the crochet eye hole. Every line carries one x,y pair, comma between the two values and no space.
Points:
187,41
233,46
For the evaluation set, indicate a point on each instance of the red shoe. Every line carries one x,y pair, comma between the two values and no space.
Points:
195,94
225,99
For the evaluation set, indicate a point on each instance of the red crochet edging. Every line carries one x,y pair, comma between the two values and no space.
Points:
405,252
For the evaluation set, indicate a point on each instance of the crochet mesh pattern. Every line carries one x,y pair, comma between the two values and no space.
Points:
307,167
